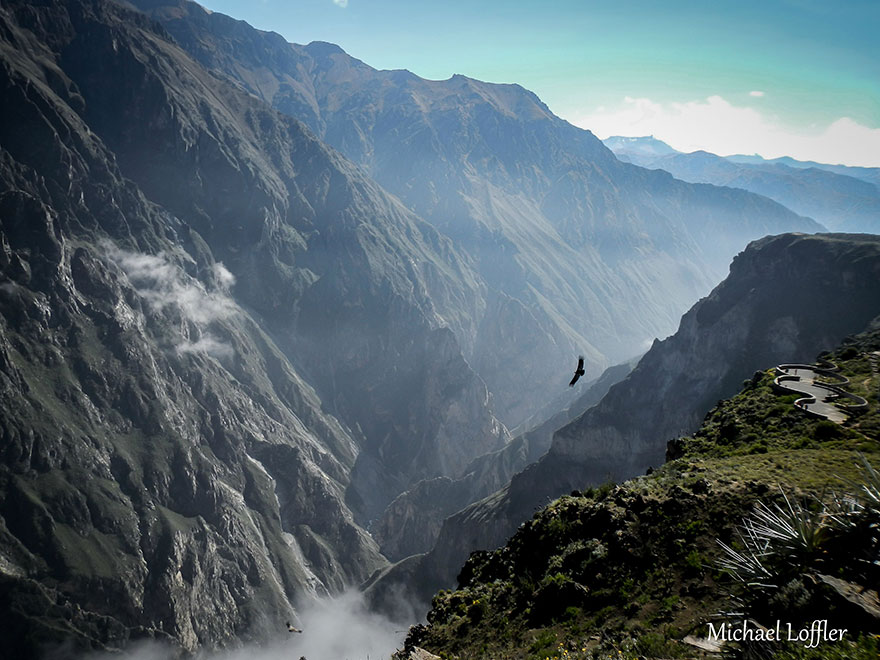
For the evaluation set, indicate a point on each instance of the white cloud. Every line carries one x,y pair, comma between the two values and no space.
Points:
756,93
714,124
162,284
341,3
207,343
223,276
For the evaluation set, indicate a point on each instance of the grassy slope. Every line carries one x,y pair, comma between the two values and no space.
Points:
629,570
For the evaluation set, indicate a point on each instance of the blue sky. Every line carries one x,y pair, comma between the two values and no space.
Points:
792,77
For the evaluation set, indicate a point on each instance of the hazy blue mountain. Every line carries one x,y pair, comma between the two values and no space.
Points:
842,198
869,174
573,245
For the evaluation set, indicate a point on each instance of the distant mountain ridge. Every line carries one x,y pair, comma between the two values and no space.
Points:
869,174
842,198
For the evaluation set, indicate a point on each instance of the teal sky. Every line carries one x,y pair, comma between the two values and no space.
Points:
792,67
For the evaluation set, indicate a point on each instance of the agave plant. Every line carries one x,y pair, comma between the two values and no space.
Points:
791,534
859,525
794,528
870,485
746,566
785,540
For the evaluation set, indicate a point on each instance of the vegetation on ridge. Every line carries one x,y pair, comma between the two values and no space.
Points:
631,570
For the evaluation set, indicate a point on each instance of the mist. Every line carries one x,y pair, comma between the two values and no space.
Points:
333,628
161,283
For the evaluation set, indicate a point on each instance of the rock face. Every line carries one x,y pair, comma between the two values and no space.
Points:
573,245
207,322
786,299
360,291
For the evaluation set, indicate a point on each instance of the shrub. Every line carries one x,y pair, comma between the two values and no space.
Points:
826,430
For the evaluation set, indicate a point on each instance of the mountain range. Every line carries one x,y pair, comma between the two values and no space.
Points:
555,225
556,228
269,316
841,198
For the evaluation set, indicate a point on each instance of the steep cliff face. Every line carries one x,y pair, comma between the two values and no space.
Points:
184,431
333,266
145,414
572,244
786,299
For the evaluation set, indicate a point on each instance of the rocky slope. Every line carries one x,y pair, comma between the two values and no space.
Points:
573,244
638,570
207,320
786,299
842,198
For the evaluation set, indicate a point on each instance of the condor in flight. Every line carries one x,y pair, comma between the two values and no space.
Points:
579,371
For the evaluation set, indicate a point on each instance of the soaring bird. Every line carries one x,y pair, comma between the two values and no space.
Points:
290,628
579,371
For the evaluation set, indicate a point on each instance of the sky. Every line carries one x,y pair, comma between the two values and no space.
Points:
796,78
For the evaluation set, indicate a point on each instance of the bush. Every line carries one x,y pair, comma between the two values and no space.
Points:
827,430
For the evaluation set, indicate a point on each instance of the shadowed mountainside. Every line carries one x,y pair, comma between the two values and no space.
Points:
207,316
411,523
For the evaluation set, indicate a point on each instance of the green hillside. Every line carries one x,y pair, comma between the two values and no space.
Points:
631,570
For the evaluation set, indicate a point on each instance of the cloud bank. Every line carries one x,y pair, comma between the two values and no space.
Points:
717,125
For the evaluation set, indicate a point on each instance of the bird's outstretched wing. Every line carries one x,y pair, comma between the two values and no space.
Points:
578,372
